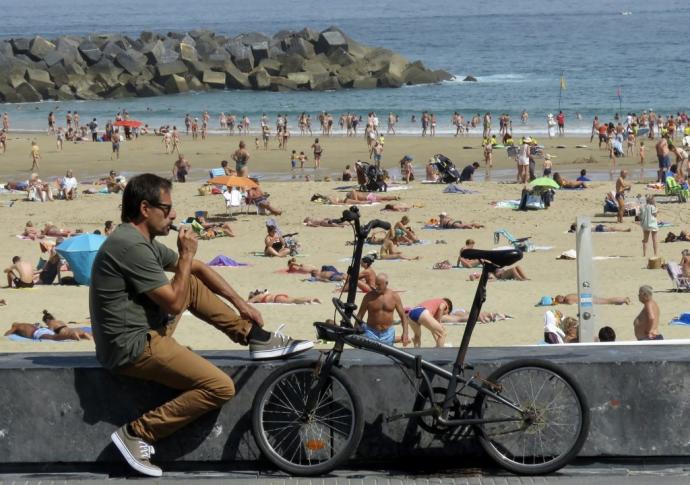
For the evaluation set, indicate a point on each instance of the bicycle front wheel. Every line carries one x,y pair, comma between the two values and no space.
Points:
547,429
301,441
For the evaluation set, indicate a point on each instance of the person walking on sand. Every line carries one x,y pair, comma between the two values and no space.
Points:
379,306
35,157
115,140
649,224
646,324
135,310
663,154
622,186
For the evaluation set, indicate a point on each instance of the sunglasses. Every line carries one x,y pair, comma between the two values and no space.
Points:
166,208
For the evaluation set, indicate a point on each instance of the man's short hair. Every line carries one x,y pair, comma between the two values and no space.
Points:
146,186
646,290
16,259
607,334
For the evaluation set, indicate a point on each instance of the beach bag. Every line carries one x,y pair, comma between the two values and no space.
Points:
205,190
655,263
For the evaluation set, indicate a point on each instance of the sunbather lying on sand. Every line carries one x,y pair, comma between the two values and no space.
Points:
571,299
54,330
400,207
263,296
601,228
327,274
461,316
295,267
311,222
353,197
446,222
513,273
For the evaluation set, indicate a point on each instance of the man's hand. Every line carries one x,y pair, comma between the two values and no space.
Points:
187,242
405,338
250,313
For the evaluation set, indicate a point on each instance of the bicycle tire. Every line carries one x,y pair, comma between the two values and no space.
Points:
549,434
306,445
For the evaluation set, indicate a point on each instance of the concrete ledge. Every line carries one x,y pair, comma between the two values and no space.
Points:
62,408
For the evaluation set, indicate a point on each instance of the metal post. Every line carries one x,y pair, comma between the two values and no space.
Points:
585,290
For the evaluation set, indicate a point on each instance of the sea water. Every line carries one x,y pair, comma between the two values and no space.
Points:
517,50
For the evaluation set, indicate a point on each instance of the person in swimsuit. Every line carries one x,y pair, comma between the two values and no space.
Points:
646,324
367,276
295,267
389,251
275,244
571,299
622,186
311,222
601,228
464,262
446,222
369,197
428,314
256,196
403,234
263,296
241,158
379,306
54,330
20,274
568,184
327,273
514,273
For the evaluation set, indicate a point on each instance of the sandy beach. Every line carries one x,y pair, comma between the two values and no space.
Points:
620,275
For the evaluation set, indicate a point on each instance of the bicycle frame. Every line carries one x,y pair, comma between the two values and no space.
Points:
421,367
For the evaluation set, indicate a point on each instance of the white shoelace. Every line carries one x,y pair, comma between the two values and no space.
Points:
284,338
145,450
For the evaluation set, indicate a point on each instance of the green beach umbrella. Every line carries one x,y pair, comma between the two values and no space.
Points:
544,182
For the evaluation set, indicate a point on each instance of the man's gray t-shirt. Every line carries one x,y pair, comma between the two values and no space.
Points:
126,267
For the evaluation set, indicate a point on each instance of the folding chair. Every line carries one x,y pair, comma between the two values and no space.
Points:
673,188
234,198
524,244
680,282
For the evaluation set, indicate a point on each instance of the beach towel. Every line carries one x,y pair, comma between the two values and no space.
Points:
682,319
506,204
260,254
222,260
454,189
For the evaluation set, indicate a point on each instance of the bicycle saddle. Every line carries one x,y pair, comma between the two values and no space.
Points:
504,257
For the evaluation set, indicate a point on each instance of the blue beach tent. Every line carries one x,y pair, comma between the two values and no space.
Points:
79,252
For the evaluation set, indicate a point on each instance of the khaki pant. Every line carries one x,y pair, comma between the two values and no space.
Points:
204,386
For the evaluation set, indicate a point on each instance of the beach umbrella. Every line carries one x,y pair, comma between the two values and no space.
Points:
544,182
233,181
128,123
80,252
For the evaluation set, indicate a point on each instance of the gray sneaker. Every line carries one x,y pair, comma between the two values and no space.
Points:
136,451
278,346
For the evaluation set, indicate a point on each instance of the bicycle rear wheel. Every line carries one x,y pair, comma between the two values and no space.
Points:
301,442
551,426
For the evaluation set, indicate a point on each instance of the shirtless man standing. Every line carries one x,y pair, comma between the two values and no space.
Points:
621,187
20,274
664,156
647,322
379,305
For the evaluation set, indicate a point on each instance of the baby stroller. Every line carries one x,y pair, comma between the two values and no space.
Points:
370,177
448,174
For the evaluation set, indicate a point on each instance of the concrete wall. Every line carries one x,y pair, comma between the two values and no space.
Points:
63,408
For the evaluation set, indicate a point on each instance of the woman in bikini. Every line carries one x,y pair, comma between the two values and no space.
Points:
263,296
54,330
275,244
369,197
446,222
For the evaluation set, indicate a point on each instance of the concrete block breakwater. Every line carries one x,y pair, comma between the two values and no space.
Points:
107,66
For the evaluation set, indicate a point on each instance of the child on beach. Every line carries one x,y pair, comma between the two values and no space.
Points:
293,160
642,150
547,165
303,159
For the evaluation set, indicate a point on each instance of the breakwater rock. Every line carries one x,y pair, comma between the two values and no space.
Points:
102,66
